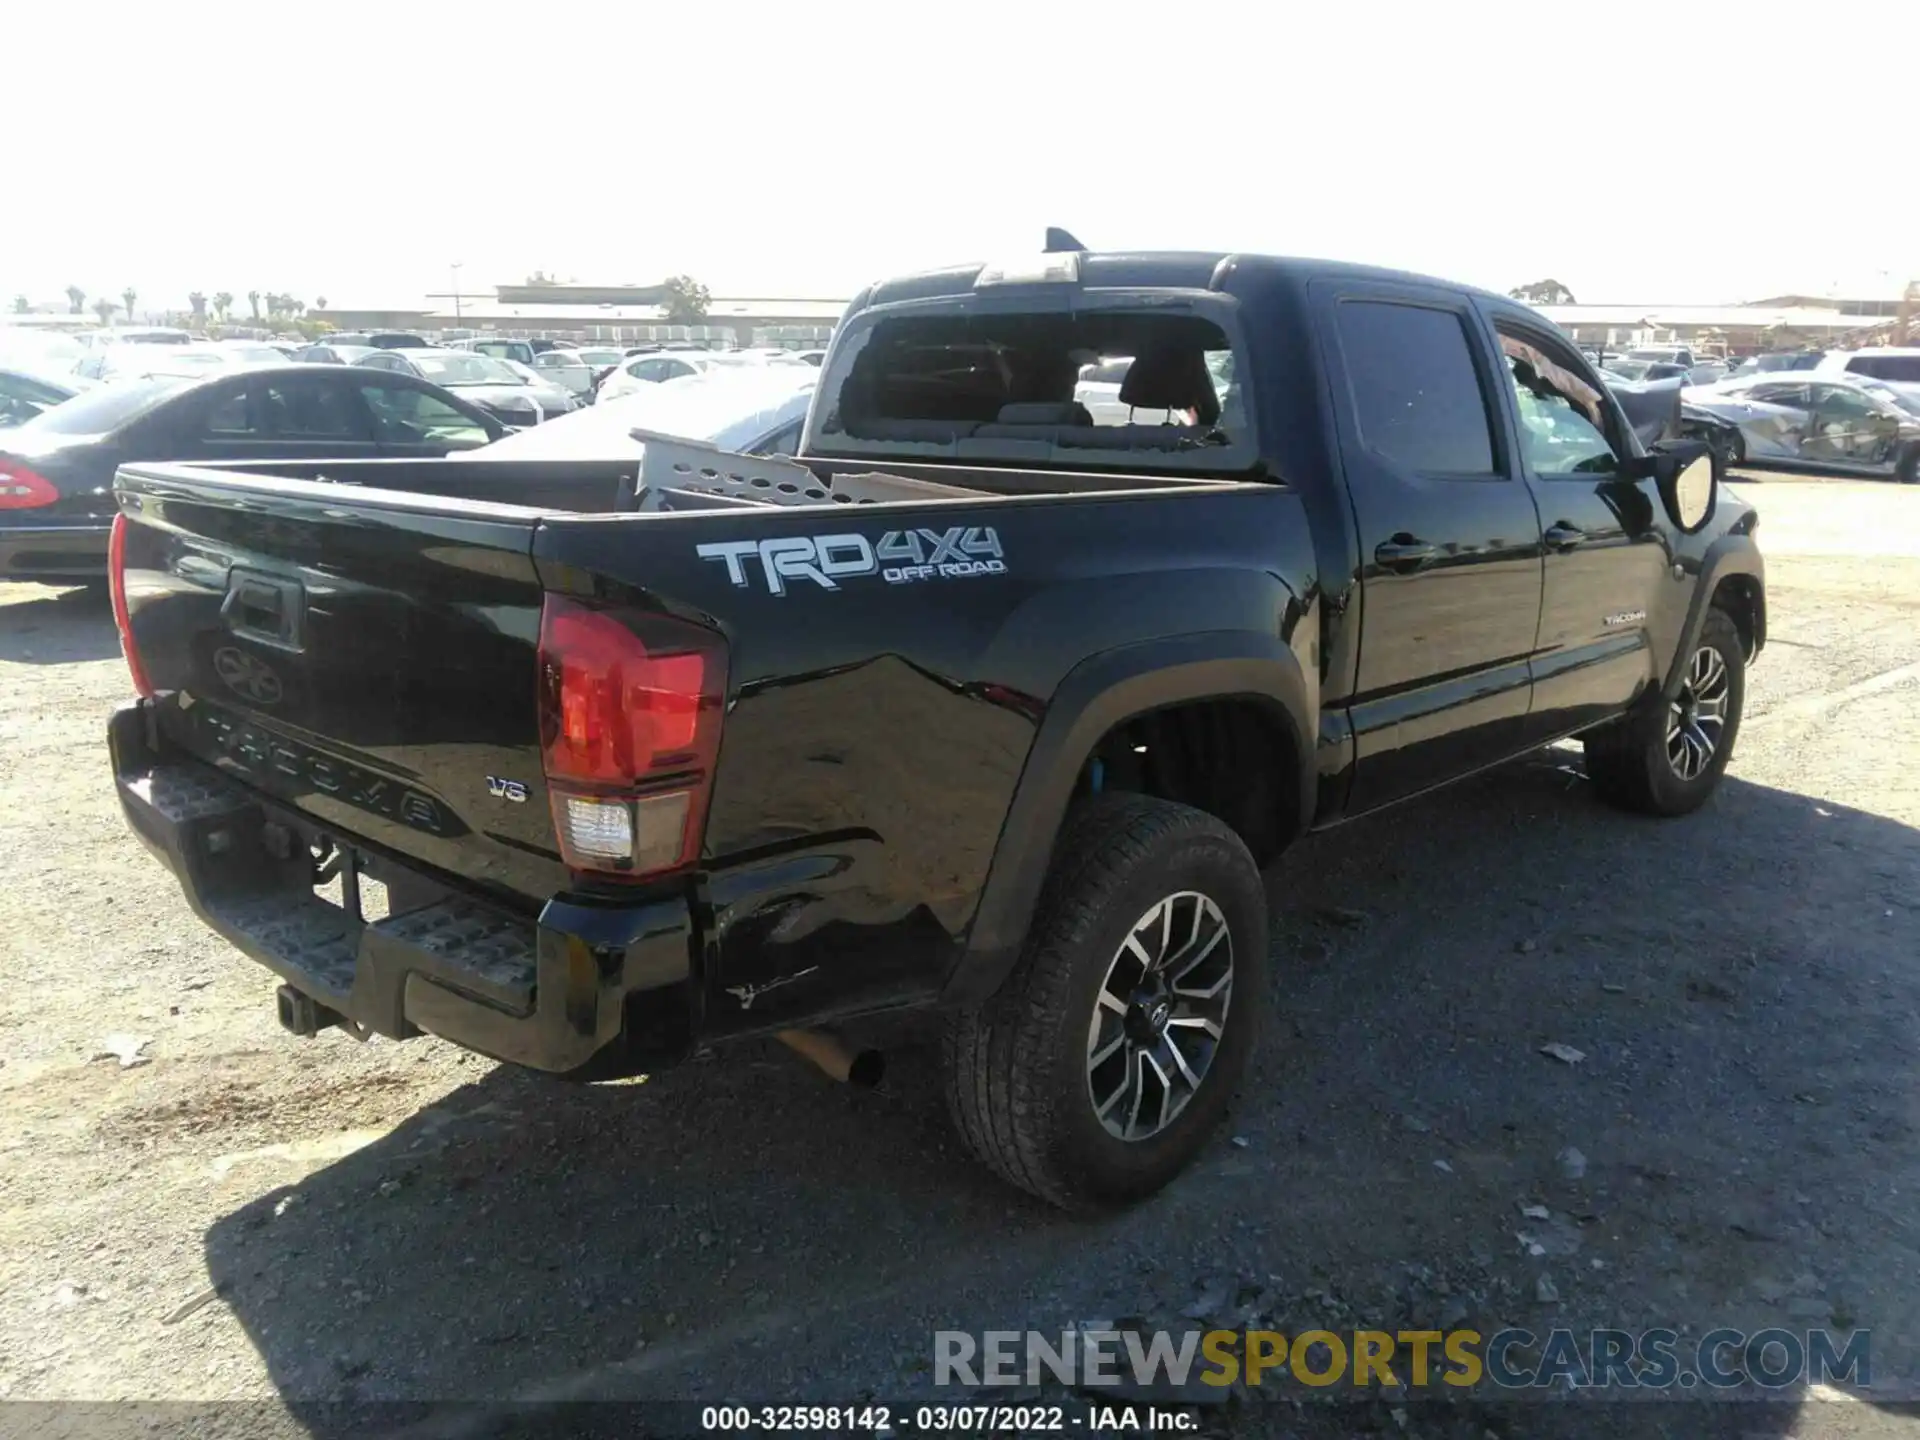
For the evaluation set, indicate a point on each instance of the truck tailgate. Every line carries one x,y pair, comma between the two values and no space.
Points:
369,658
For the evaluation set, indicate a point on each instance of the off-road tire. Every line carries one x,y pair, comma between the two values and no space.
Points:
1627,761
1017,1063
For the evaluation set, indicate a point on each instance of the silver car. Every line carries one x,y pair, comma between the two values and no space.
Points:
1797,418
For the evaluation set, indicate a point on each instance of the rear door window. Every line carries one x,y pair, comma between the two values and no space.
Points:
1416,395
313,407
230,414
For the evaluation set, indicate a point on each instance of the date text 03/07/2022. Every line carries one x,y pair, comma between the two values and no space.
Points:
883,1420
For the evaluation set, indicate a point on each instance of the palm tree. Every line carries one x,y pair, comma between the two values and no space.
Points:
76,300
199,303
21,305
253,299
127,298
222,303
104,308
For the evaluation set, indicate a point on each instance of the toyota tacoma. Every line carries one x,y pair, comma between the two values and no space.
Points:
982,701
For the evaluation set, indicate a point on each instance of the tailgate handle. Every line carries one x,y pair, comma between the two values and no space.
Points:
264,608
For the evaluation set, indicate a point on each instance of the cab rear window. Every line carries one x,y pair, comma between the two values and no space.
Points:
1122,388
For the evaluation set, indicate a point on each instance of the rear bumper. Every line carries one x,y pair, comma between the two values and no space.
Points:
586,989
55,552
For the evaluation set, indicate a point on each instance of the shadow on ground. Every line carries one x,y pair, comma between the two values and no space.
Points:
58,627
1739,982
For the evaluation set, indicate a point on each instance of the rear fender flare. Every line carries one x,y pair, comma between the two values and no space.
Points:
1095,696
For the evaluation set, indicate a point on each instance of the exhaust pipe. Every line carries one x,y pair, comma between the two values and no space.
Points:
860,1068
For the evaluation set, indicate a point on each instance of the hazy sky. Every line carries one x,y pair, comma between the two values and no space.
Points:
1671,151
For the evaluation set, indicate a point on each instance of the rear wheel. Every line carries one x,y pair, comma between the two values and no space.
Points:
1735,449
1097,1070
1667,757
1908,469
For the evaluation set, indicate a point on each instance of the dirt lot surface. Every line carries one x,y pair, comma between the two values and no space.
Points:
381,1221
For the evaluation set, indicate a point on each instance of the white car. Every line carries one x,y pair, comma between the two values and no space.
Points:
252,352
143,362
1895,365
661,366
757,411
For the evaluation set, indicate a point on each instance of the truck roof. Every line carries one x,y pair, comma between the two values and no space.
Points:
1137,269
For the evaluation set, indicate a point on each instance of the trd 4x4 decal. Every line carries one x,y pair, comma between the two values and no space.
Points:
900,557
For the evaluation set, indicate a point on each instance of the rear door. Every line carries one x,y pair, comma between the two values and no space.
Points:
1449,537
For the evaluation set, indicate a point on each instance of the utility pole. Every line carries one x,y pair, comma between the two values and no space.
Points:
456,292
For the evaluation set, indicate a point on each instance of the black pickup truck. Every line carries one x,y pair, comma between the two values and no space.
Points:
996,699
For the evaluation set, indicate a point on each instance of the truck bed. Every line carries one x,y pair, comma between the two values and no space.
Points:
594,487
351,653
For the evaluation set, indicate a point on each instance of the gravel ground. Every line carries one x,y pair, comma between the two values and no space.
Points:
405,1222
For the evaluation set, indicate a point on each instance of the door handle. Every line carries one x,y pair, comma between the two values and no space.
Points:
1403,554
1562,536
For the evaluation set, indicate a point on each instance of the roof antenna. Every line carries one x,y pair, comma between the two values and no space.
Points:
1058,239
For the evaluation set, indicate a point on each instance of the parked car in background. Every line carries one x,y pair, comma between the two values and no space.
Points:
25,394
576,370
252,352
1652,407
383,340
548,393
56,471
1775,362
664,365
1810,419
1891,365
46,352
484,381
753,411
520,351
507,348
141,362
1642,369
1681,355
146,335
332,352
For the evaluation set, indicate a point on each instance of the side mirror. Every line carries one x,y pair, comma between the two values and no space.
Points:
1684,473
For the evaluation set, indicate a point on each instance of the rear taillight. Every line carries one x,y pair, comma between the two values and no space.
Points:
122,617
21,489
630,709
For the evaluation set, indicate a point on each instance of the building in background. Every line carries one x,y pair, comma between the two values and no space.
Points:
630,314
1782,322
